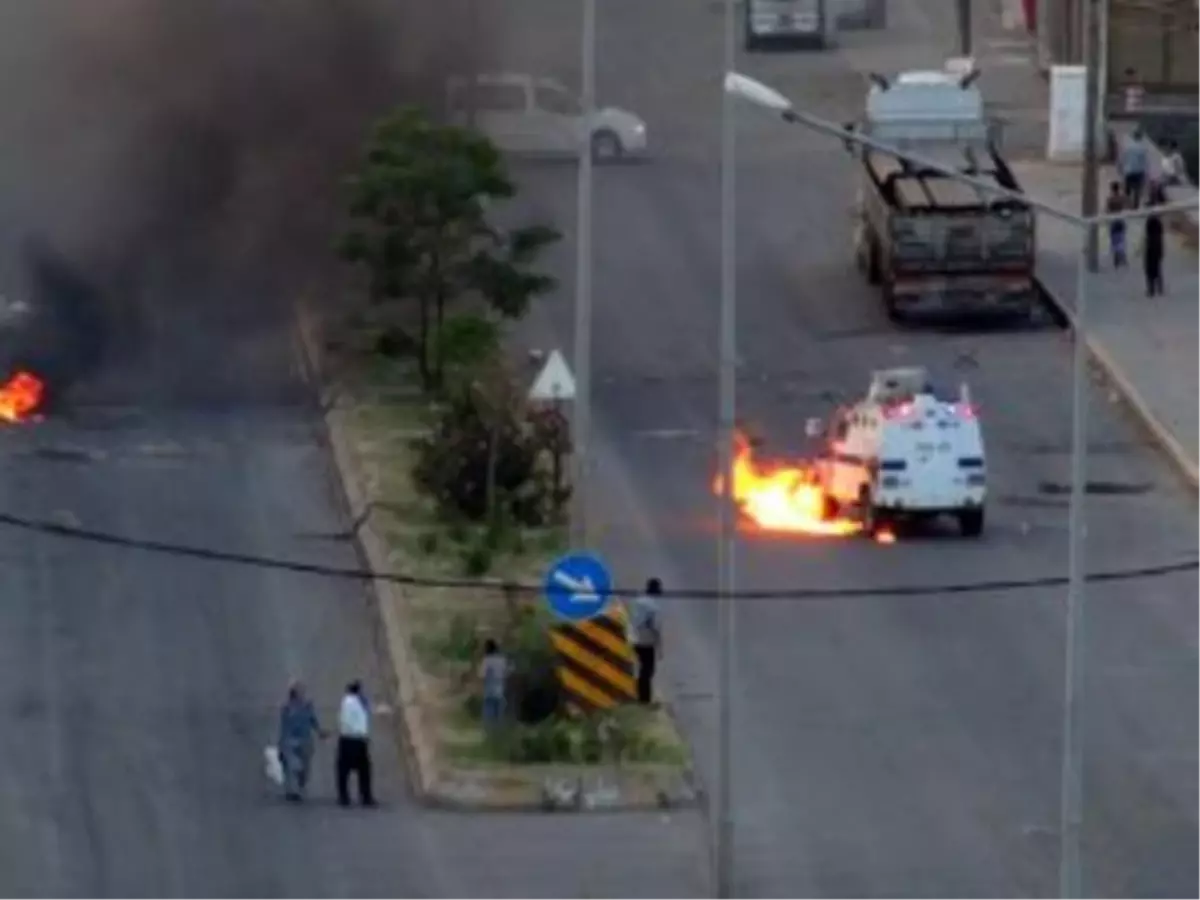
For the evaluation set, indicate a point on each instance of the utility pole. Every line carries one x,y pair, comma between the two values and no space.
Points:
723,856
1091,125
965,28
581,431
1072,796
1070,878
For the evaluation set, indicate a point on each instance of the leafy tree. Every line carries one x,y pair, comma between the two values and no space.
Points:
469,346
420,229
490,457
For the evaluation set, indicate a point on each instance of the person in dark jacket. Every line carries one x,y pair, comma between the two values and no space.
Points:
298,730
1116,228
647,638
1153,248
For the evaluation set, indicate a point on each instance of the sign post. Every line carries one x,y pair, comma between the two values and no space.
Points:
596,667
578,587
556,385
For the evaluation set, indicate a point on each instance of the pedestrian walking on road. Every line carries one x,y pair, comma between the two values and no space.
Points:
493,672
647,638
298,730
353,750
1173,170
1152,251
1133,163
1116,228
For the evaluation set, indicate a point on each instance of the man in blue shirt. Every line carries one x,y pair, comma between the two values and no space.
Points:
1133,163
298,729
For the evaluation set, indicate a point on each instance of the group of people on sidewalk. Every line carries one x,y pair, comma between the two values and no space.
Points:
1136,186
299,731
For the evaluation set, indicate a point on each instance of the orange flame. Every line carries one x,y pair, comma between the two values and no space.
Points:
20,397
778,496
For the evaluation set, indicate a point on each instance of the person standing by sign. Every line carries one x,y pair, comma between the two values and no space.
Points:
353,751
647,638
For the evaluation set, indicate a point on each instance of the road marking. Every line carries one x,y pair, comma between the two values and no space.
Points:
1008,60
667,434
1009,44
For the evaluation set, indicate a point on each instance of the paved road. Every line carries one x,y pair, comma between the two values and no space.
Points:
137,689
885,747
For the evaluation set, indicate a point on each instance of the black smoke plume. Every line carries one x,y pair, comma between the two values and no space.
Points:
170,169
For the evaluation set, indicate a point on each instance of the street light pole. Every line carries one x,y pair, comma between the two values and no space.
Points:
581,421
726,503
1071,806
1091,124
1071,801
966,28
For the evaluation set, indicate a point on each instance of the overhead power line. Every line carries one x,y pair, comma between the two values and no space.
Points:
77,533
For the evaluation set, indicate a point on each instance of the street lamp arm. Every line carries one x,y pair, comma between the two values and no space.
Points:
753,91
761,95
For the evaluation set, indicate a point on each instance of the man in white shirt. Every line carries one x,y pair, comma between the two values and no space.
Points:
353,752
1174,169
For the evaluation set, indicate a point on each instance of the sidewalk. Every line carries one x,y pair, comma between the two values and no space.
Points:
1147,346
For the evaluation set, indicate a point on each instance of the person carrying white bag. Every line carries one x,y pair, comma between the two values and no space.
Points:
288,763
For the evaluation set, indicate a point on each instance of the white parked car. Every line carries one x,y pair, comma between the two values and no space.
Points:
538,116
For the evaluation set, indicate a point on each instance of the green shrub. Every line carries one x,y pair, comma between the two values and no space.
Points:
549,741
428,543
589,740
534,692
466,343
477,559
461,642
489,458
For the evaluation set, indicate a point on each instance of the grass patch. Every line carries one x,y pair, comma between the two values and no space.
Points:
384,416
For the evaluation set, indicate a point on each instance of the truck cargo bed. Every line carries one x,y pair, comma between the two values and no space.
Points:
924,191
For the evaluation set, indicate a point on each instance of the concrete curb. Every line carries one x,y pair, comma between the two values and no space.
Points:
1166,440
1162,435
436,783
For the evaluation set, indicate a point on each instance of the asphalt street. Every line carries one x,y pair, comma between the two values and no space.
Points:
137,689
885,746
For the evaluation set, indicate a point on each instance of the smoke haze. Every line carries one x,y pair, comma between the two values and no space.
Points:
169,169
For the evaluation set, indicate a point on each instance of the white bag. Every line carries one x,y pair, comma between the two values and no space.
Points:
273,764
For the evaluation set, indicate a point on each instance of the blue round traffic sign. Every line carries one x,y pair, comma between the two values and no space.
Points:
578,587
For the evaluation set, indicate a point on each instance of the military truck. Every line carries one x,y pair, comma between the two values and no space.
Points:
940,248
779,23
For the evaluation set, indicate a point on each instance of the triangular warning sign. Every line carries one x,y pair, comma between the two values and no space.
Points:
555,381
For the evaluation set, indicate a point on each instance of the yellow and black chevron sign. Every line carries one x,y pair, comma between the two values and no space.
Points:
596,664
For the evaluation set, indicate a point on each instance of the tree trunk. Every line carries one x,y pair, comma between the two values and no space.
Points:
440,313
493,458
423,350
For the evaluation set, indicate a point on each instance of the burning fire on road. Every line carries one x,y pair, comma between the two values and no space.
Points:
780,496
21,397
